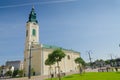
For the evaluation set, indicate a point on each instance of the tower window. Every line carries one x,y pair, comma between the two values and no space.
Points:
34,32
68,57
26,33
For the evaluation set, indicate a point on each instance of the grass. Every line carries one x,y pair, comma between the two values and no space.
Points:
93,76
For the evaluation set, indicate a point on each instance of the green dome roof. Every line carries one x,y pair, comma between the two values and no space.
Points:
32,16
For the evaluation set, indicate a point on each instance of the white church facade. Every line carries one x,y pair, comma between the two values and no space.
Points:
36,53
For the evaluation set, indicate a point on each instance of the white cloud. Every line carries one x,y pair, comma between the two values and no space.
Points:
58,1
37,3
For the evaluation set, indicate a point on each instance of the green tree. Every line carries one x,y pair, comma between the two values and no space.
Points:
49,61
8,73
15,73
80,61
32,72
18,73
21,73
107,61
56,56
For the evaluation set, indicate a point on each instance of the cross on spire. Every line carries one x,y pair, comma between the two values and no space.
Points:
33,6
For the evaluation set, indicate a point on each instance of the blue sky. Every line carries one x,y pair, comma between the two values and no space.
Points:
81,25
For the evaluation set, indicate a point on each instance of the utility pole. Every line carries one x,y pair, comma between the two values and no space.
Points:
111,57
30,56
89,53
29,67
111,61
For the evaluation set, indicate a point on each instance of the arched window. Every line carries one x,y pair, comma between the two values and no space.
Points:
68,57
34,32
26,33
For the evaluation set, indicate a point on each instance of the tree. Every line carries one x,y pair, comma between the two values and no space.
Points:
56,56
33,72
18,73
107,62
49,61
21,73
80,61
15,73
8,73
99,63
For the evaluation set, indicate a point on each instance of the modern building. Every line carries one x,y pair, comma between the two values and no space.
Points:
18,65
39,52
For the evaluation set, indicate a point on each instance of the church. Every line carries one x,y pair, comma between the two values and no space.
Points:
35,53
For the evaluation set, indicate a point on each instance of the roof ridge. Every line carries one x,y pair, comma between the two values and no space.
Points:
57,47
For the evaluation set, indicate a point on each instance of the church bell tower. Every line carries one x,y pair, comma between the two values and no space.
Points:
32,40
32,29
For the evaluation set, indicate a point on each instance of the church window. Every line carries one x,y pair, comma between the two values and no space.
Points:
24,59
34,23
68,57
26,33
34,32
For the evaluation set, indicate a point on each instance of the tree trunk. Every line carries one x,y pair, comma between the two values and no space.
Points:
50,72
84,69
80,69
55,72
58,70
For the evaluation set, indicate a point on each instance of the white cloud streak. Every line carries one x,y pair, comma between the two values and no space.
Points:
38,3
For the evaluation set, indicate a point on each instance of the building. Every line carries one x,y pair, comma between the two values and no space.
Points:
39,52
117,62
18,65
4,69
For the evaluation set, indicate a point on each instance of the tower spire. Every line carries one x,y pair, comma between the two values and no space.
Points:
32,6
32,15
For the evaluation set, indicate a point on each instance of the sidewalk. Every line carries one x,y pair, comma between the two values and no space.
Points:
26,78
